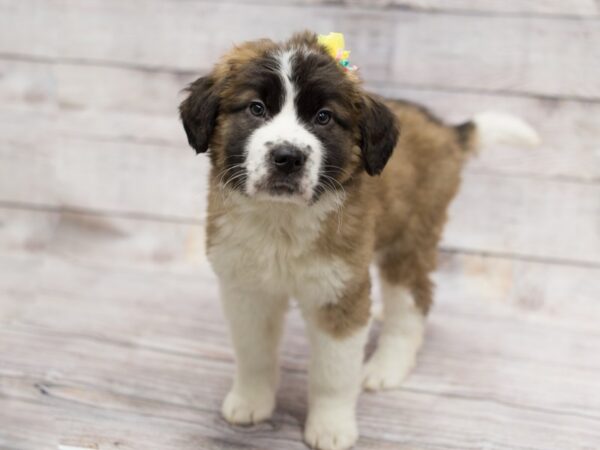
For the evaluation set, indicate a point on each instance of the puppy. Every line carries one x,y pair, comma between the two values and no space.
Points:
313,179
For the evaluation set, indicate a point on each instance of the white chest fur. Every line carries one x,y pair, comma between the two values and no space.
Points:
273,246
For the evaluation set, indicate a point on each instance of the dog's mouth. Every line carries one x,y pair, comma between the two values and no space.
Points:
282,190
279,187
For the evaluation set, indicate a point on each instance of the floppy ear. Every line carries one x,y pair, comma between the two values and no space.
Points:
379,134
199,111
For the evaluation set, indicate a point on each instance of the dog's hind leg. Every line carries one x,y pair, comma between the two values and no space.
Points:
405,303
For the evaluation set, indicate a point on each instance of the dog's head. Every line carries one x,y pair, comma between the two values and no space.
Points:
286,121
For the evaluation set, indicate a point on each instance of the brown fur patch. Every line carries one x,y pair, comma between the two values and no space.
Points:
415,189
351,311
399,215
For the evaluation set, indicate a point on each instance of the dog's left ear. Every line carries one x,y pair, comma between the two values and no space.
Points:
199,111
379,134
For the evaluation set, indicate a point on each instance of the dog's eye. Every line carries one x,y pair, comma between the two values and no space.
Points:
323,117
257,109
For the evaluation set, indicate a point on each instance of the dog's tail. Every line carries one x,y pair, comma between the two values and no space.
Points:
490,127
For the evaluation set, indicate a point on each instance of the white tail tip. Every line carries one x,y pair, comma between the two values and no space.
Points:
500,128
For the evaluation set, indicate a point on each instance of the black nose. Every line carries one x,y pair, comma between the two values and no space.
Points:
288,159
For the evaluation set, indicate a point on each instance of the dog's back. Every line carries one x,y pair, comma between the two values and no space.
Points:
420,180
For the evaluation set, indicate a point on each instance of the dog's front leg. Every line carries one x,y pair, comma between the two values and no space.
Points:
337,350
255,319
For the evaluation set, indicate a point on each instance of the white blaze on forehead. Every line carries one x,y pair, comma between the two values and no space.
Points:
286,127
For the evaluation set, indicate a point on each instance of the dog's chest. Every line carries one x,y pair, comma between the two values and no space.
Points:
277,251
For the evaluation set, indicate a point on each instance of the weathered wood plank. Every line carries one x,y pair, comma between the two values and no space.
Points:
582,8
469,53
526,217
114,353
551,293
25,425
575,8
61,170
407,47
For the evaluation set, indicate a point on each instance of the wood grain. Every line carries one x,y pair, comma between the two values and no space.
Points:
577,8
400,46
155,356
556,8
544,219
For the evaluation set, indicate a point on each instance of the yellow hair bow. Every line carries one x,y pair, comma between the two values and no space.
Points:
334,43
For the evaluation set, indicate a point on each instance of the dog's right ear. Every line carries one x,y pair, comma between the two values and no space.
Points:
379,133
199,111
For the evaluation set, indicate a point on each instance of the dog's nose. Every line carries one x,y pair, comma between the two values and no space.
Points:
288,159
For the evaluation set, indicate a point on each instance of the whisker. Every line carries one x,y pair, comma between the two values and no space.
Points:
337,168
230,186
222,174
327,177
235,177
328,186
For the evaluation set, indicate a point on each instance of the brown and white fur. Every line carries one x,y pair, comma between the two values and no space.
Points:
299,207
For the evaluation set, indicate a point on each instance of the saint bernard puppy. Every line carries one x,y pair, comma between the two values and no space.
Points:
313,180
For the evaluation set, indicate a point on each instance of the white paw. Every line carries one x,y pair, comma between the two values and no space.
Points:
242,409
330,431
387,370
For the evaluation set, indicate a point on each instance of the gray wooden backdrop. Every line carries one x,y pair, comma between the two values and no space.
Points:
111,334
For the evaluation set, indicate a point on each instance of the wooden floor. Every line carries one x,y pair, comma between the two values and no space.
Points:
111,334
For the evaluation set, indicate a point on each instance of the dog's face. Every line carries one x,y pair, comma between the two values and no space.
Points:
286,122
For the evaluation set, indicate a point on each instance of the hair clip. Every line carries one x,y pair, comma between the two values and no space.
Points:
334,43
